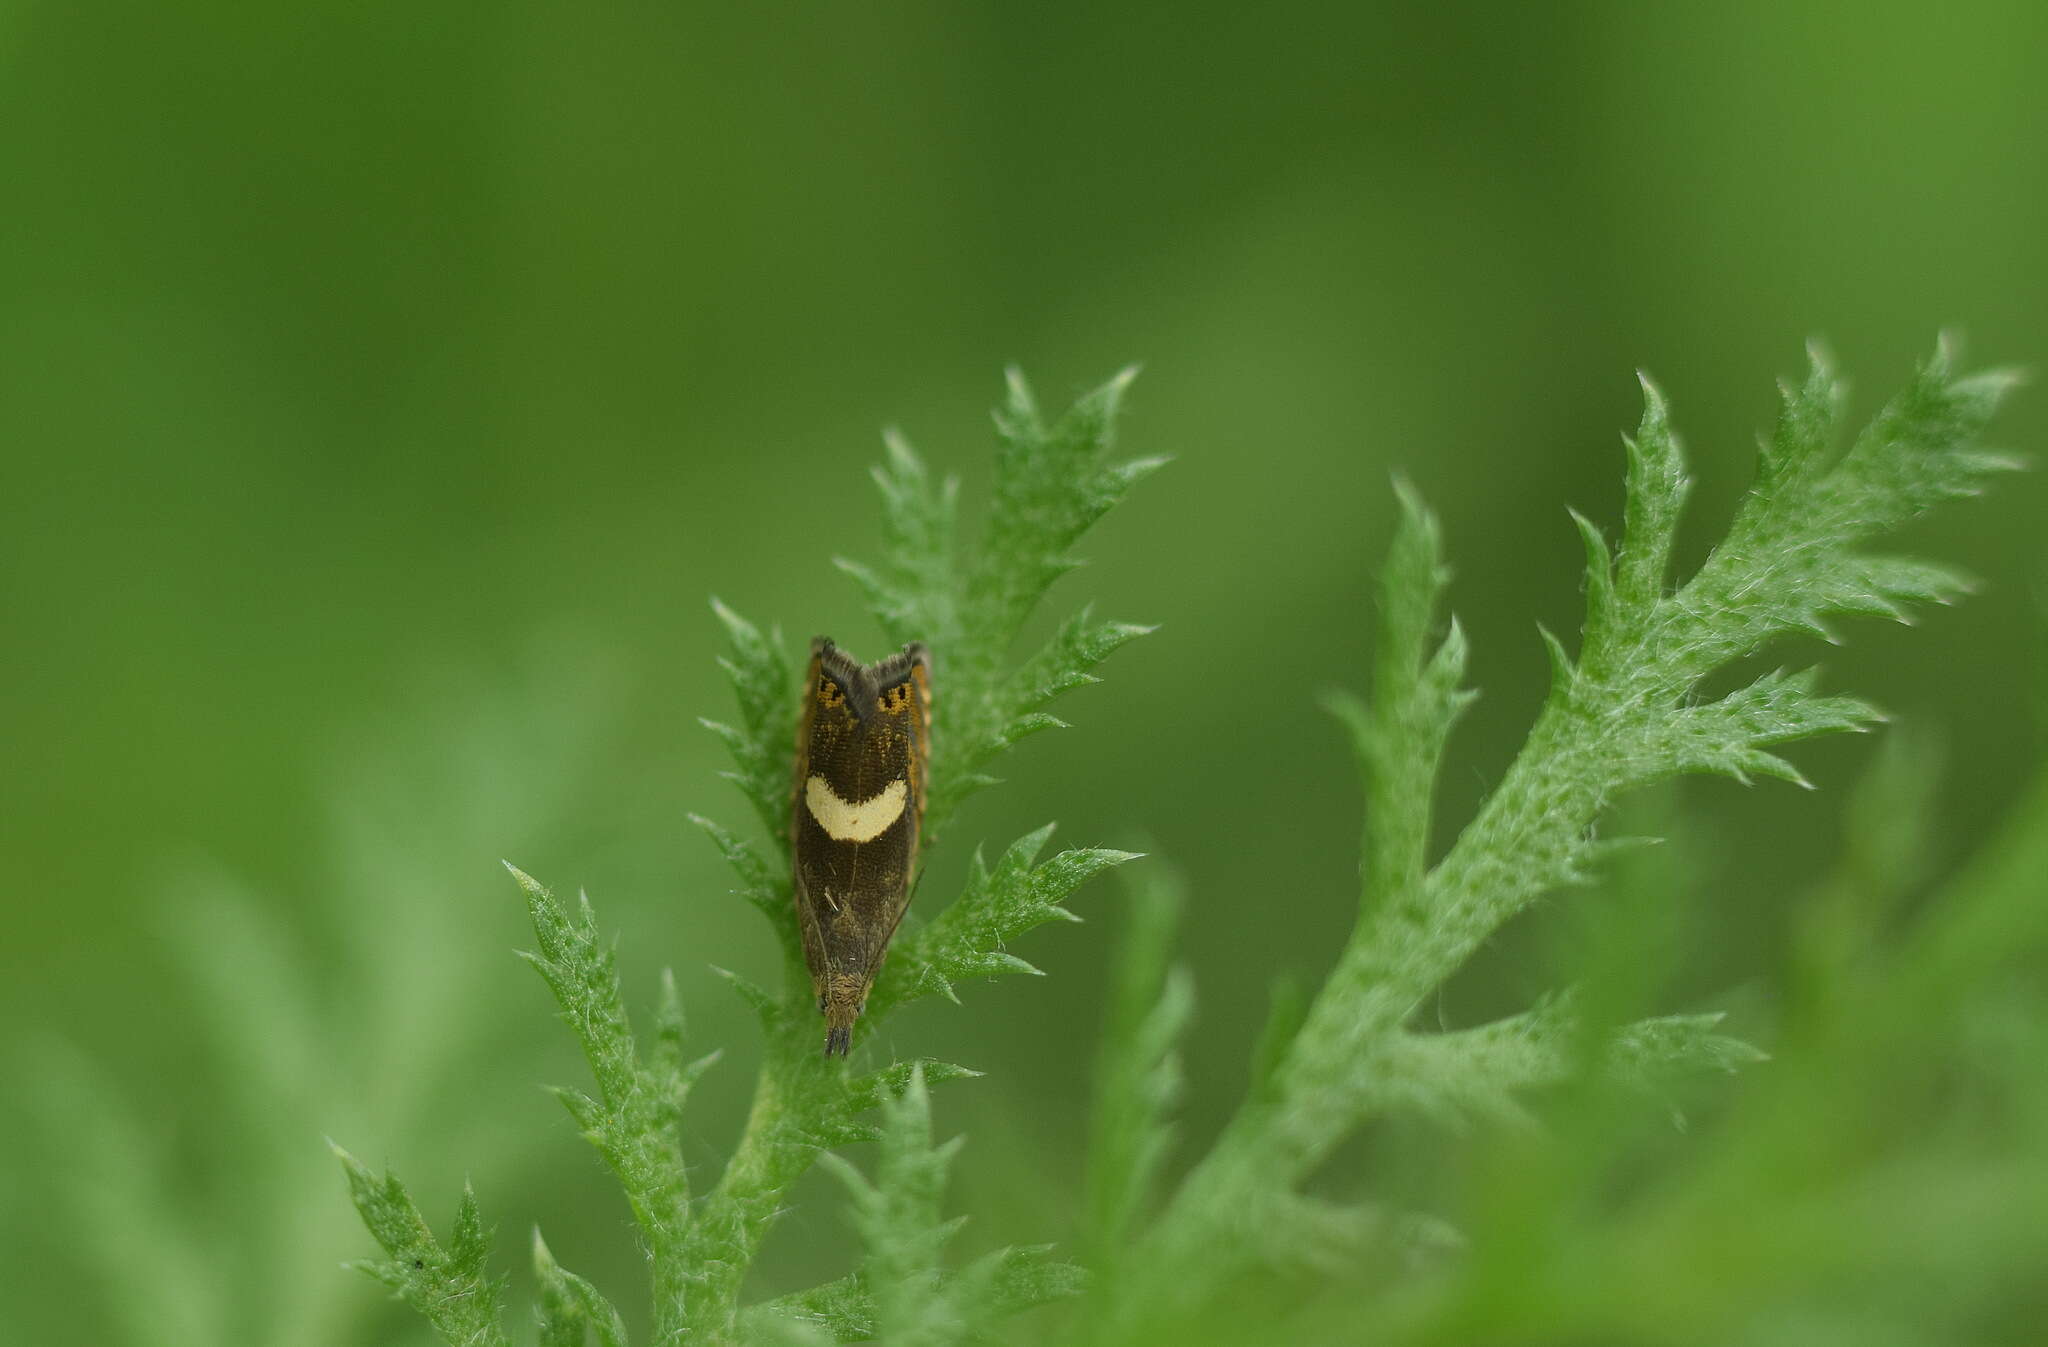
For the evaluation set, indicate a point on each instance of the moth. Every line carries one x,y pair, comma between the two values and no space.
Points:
855,819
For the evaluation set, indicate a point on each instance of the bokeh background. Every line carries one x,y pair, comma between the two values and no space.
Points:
387,386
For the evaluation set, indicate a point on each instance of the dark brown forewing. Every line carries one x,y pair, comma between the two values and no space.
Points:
805,711
903,704
806,915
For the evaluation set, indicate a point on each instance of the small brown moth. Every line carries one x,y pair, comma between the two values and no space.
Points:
855,819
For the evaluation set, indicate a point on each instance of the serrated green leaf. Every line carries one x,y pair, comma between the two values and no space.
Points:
570,1307
633,1119
1138,1072
446,1286
1626,712
766,890
968,603
764,1003
1650,1052
903,1293
1655,495
965,941
763,743
1005,1282
1727,736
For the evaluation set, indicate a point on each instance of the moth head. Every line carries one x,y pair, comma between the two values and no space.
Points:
904,680
895,700
838,674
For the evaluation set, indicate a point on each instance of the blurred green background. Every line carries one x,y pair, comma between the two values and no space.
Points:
387,386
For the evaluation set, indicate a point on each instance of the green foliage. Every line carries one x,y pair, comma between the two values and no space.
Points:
447,1283
1626,710
1138,1078
570,1307
967,940
1624,713
903,1293
1052,482
761,745
635,1119
350,1005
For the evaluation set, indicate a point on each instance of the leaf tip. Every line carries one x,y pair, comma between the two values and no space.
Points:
1656,408
1820,357
1948,345
532,886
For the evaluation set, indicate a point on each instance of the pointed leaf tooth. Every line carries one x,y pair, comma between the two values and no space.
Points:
1029,724
562,1319
762,888
1028,1275
1810,625
1132,471
890,1082
381,1269
1563,675
588,1113
469,1243
834,1134
1120,382
762,1002
1025,849
732,737
1808,422
929,981
692,1070
742,632
551,971
987,964
1286,1008
1770,764
1021,408
1651,1051
386,1208
1446,667
669,1025
878,592
1356,716
1601,850
1416,517
1599,581
903,457
935,1072
1064,661
1411,583
1656,487
525,881
1988,462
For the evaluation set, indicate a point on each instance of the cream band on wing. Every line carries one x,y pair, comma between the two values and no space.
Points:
861,822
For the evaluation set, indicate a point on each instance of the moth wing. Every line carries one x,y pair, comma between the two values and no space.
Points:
806,717
806,912
918,679
921,758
